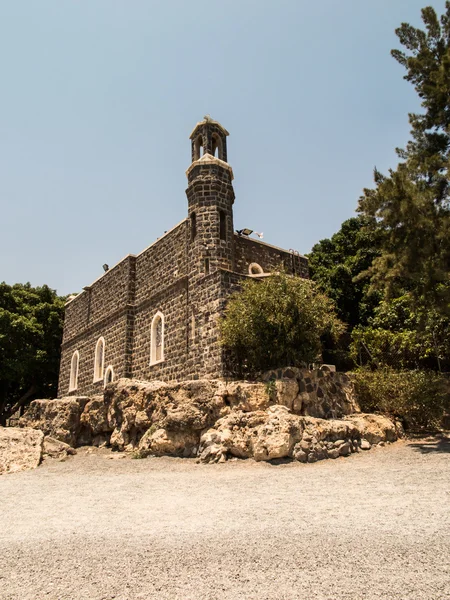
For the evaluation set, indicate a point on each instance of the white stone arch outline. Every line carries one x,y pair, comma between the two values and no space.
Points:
99,359
254,269
73,378
157,350
109,375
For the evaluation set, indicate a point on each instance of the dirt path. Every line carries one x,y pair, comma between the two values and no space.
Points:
372,526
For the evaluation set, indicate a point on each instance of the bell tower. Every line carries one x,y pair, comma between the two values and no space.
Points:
210,198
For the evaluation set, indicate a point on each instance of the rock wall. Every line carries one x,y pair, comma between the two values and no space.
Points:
215,420
322,393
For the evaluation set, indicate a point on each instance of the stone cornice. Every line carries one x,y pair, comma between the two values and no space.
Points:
207,160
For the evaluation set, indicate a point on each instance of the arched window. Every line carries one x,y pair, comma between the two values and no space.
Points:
255,269
99,359
217,146
193,226
223,224
73,379
109,375
198,147
157,339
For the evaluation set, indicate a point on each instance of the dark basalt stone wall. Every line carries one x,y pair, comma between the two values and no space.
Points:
187,275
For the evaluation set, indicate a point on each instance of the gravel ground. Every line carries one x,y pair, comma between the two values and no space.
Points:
99,526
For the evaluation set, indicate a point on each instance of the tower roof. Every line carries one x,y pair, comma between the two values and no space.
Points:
207,120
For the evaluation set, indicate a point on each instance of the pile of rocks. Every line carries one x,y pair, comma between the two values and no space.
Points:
303,415
277,433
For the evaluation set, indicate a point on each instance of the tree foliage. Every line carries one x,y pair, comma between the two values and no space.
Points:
335,263
418,398
31,321
410,206
403,335
277,321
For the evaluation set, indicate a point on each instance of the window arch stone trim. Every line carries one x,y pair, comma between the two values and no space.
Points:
99,359
109,375
255,269
157,345
73,377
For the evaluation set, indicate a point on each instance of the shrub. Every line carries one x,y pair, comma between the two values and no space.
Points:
277,321
418,398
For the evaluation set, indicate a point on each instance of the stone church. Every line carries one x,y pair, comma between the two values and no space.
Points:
155,315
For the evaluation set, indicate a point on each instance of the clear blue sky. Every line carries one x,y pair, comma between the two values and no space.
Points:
98,99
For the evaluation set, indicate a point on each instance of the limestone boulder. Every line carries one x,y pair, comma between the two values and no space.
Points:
56,449
263,435
168,443
94,424
59,419
287,391
277,436
246,396
374,428
135,407
20,449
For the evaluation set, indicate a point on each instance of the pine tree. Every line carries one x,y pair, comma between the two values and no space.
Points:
410,206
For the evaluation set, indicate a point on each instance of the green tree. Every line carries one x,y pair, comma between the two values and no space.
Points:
403,335
409,207
277,321
31,321
335,263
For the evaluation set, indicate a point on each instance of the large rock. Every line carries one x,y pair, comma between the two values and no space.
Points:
246,396
278,433
174,443
184,408
374,428
60,419
56,449
276,437
20,449
94,428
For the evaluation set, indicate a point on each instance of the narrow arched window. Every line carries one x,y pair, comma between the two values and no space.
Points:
193,226
157,339
73,379
198,147
109,375
99,359
217,146
223,224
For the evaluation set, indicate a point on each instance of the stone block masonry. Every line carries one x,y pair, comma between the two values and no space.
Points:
155,316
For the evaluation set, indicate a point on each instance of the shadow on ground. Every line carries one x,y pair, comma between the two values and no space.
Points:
436,443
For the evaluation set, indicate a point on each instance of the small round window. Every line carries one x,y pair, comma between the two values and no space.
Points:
255,269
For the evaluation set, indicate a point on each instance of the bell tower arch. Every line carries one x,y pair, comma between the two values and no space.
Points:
209,137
